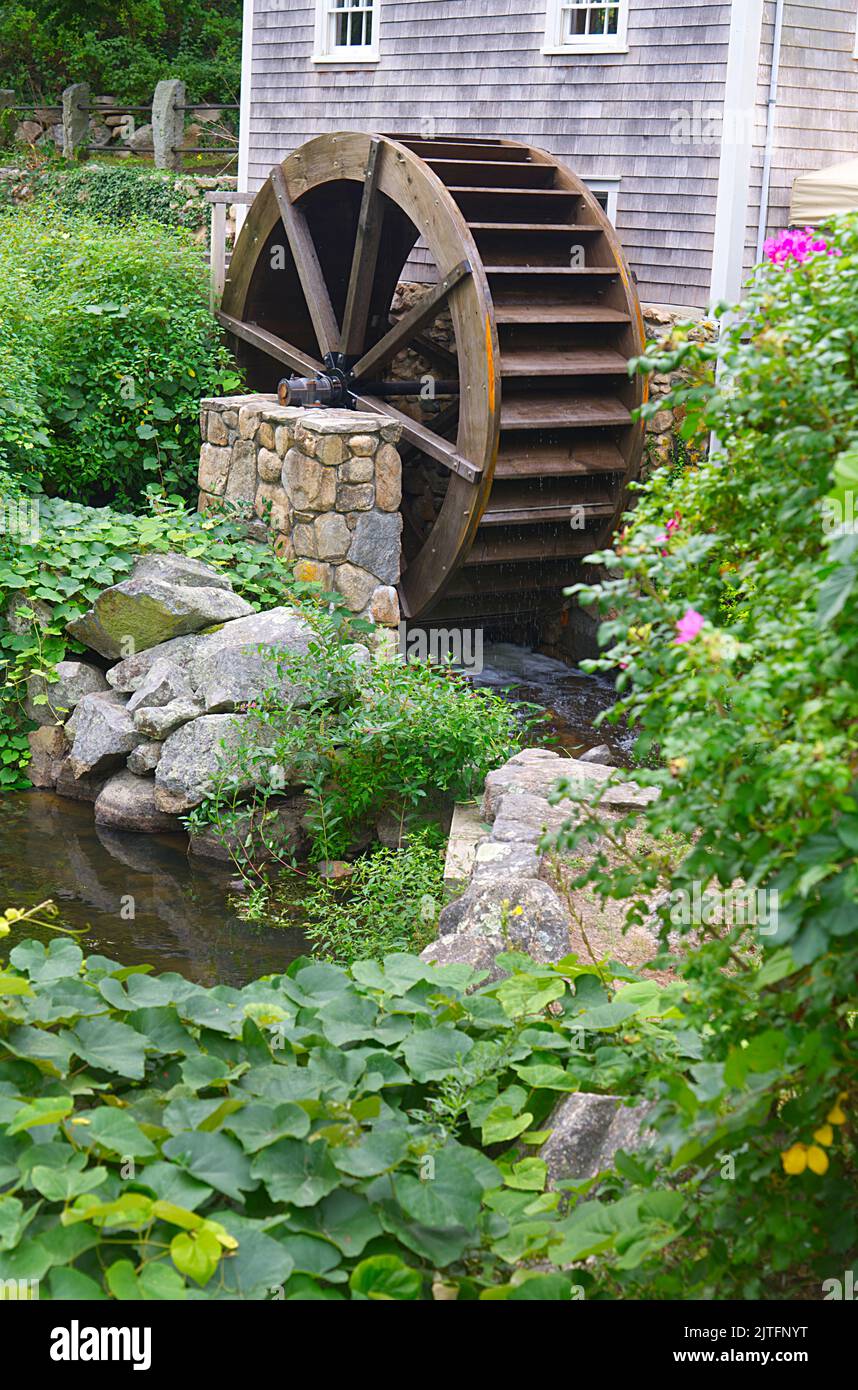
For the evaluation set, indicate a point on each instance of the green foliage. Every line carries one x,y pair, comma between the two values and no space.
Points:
123,49
47,580
23,437
389,903
369,736
320,1134
123,193
746,721
115,326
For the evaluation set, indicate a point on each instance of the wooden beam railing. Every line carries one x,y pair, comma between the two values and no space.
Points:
220,201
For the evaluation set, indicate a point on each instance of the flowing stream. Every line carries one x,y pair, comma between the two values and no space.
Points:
142,899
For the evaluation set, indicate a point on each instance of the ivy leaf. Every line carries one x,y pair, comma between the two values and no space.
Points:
214,1159
63,1184
111,1046
449,1196
117,1131
435,1053
47,1110
296,1172
386,1277
196,1254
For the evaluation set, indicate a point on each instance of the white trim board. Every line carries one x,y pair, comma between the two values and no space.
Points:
736,153
244,109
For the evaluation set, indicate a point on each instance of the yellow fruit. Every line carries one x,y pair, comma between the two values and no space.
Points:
817,1160
824,1135
836,1116
794,1160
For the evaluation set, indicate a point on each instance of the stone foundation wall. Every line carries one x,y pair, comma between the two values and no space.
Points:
327,483
662,429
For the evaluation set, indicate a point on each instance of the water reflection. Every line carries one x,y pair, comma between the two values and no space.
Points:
142,900
571,698
182,919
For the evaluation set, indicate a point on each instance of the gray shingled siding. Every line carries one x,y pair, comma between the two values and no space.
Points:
817,122
474,67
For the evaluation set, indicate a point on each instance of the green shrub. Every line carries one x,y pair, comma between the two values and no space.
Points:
118,331
319,1134
385,735
48,579
733,631
23,437
123,193
389,903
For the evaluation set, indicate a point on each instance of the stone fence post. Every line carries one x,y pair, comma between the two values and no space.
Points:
168,123
327,483
75,121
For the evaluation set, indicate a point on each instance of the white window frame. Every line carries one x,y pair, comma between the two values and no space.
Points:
608,184
598,43
327,51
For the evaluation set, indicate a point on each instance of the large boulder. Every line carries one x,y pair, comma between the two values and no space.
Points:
165,596
499,914
104,733
180,569
144,758
128,675
228,669
47,749
159,721
586,1132
164,682
127,802
190,760
273,832
535,771
57,699
83,788
522,818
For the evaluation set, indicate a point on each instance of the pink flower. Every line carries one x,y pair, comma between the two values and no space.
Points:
689,626
796,247
673,525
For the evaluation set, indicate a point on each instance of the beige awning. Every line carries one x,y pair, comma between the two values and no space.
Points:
824,193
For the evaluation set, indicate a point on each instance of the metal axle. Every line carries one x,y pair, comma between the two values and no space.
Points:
338,388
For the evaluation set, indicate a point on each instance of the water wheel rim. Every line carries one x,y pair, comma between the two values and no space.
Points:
414,187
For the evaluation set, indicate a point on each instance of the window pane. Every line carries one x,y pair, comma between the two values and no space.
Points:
576,22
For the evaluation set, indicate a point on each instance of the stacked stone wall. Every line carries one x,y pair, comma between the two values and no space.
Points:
327,483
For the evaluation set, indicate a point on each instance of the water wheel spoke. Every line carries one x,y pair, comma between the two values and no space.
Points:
364,259
400,335
309,270
269,343
438,448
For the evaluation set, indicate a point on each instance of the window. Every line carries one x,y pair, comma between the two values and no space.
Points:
606,191
583,26
346,31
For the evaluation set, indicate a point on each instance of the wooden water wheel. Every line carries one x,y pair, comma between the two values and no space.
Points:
519,465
